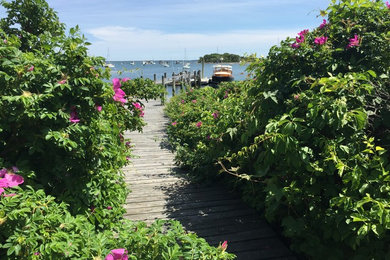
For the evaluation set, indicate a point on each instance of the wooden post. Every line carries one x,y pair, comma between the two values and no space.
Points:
199,79
154,78
195,85
173,84
165,88
202,68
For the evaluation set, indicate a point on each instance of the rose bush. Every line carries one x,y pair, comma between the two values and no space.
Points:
314,134
62,148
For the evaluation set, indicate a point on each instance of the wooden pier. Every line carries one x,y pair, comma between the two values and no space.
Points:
160,190
183,78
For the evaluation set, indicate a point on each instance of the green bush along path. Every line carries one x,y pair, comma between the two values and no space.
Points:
160,190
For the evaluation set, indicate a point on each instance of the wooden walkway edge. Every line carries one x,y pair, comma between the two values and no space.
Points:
161,191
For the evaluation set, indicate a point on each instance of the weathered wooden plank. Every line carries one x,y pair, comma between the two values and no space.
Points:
160,190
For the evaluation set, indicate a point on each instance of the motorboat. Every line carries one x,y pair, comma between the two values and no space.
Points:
165,64
221,73
187,66
109,65
132,63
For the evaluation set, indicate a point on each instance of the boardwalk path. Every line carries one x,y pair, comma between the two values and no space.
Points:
214,213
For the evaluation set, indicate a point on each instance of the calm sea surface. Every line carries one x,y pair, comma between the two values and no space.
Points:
124,69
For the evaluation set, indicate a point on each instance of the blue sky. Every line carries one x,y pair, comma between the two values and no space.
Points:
173,29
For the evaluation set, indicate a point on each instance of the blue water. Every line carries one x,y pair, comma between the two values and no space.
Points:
124,69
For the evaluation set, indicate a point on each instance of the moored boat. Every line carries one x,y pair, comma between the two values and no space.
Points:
222,73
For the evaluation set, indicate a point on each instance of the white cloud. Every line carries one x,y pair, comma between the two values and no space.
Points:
129,43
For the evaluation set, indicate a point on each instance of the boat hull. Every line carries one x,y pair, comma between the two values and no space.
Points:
219,79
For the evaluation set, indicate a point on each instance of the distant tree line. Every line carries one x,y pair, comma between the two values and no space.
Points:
216,57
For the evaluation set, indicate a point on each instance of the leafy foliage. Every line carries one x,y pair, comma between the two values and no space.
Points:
216,58
62,126
312,134
34,226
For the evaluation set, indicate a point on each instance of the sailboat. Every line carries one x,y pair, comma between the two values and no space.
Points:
186,65
108,65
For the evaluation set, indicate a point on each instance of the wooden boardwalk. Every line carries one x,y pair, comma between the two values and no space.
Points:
161,191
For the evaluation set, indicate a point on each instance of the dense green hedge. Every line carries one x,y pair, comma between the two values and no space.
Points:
62,148
308,135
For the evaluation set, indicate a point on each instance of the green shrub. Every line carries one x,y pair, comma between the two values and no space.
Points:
34,226
314,133
62,125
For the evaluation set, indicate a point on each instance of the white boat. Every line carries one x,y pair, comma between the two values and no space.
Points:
165,64
132,62
221,73
187,66
109,65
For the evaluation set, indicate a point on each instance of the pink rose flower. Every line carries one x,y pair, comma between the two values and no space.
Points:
323,24
295,45
224,245
73,116
215,114
320,40
199,124
117,254
354,41
31,68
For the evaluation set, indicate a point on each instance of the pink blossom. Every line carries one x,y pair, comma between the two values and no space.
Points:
353,41
3,172
31,68
11,180
73,116
137,105
174,123
303,32
296,97
224,245
128,144
182,101
142,114
128,158
301,36
117,254
295,45
5,41
323,24
37,253
98,108
388,5
215,114
62,81
109,208
300,39
199,124
194,101
119,95
116,83
320,40
125,79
